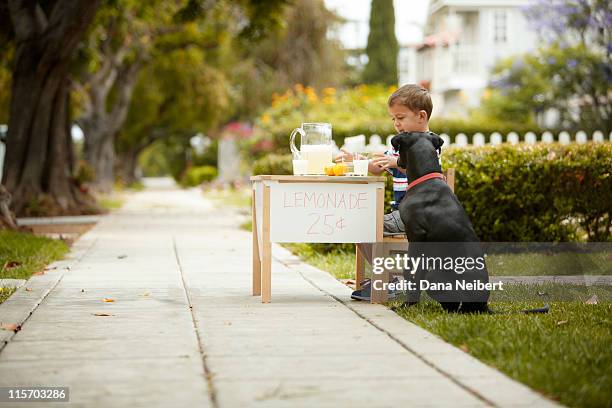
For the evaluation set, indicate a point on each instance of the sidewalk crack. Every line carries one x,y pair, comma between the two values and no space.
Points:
212,394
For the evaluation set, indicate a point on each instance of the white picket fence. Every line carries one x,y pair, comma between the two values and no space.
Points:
495,138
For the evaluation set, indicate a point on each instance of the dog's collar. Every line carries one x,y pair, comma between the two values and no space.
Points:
425,178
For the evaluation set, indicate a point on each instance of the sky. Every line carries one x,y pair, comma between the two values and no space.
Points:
410,16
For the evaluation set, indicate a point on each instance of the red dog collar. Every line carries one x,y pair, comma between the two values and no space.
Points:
425,178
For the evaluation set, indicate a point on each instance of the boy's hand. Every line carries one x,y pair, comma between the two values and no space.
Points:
384,161
347,156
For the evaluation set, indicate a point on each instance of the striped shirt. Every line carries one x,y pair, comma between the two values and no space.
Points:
400,180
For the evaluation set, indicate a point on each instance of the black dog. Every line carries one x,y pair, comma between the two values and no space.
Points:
437,227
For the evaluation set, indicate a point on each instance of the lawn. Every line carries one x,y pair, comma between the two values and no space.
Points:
5,293
240,198
565,354
22,254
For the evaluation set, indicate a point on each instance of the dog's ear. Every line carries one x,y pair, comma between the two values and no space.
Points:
405,140
396,141
435,140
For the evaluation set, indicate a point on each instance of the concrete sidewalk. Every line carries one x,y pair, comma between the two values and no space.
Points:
184,331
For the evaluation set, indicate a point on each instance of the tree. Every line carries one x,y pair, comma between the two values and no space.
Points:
177,96
570,73
39,159
382,48
132,34
191,74
119,46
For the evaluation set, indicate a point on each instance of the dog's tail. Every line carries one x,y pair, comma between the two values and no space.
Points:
544,309
538,310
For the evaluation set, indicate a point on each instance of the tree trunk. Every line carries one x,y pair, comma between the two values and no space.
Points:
38,164
100,124
100,154
127,168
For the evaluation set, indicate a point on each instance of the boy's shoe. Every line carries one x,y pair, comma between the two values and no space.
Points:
365,293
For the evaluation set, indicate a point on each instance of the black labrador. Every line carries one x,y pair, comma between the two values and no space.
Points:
438,231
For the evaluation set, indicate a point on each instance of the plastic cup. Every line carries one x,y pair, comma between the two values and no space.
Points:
300,167
361,167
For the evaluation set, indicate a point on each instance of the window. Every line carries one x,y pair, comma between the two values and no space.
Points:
500,28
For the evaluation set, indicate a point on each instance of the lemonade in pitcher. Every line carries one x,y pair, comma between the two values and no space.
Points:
315,146
318,157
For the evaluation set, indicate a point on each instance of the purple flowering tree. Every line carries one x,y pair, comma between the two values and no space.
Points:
571,72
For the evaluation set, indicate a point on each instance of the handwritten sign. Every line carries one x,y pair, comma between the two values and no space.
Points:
322,212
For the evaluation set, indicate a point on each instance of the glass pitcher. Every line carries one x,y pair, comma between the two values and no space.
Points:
315,146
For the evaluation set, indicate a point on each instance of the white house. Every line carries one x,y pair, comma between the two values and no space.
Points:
463,39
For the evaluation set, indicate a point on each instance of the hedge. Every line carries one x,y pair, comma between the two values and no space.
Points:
194,176
524,193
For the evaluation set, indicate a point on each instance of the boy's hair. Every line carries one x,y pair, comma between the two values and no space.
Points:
413,97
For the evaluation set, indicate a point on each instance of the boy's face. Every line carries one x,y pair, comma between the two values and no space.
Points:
405,120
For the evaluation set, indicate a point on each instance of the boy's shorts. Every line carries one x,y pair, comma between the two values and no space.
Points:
393,223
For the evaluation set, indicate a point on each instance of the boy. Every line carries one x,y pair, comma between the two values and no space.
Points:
410,108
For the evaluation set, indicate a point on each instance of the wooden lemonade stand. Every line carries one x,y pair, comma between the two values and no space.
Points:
324,209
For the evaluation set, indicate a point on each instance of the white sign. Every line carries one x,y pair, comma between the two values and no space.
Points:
322,212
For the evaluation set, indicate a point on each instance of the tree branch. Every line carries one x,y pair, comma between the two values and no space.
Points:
28,18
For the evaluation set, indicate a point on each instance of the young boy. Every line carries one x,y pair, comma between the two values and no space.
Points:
410,109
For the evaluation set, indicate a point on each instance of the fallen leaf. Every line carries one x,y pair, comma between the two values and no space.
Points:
28,289
108,300
146,294
39,273
102,314
228,323
122,256
10,326
11,264
592,300
50,268
559,323
464,347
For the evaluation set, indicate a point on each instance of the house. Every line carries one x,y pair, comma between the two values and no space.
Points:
463,39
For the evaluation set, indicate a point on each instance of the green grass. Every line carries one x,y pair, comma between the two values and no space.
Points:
565,354
111,202
521,264
29,253
5,293
340,264
231,197
564,263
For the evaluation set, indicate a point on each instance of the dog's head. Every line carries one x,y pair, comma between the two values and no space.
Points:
404,142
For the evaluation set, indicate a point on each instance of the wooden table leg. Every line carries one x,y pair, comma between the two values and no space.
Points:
379,296
359,268
256,258
266,261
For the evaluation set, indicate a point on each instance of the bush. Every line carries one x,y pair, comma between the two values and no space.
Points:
535,193
526,193
278,164
359,110
194,176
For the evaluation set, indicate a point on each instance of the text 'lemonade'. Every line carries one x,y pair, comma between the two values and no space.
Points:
318,157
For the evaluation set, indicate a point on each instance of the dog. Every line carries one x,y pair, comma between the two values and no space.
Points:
437,226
